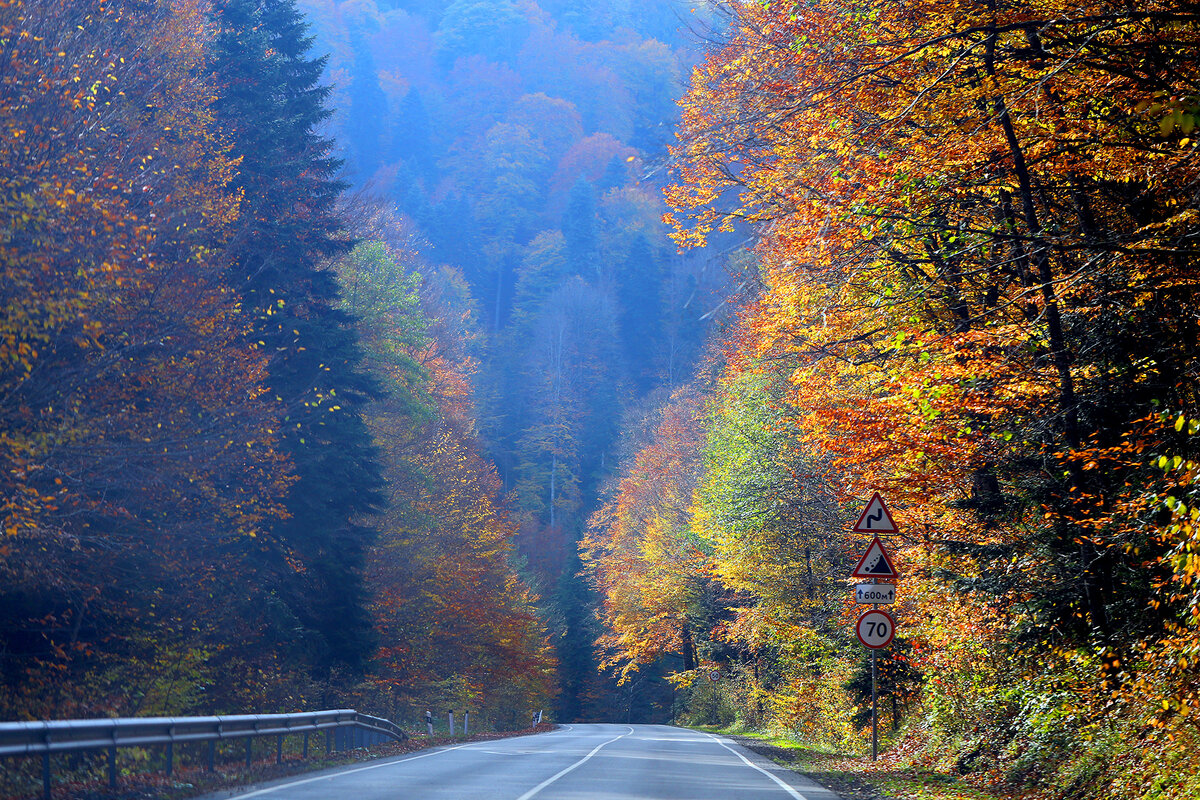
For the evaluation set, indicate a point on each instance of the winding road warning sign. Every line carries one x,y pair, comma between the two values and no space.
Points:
876,518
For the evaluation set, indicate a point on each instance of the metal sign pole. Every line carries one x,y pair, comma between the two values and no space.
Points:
874,698
874,712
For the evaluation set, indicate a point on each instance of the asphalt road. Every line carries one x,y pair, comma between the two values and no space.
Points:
576,762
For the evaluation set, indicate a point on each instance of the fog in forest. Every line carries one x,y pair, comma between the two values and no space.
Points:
525,146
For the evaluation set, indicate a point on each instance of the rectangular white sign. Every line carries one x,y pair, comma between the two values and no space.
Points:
880,593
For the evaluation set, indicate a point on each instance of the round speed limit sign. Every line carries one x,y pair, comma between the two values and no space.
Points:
875,628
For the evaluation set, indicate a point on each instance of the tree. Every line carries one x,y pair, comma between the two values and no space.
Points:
447,606
123,462
492,28
579,230
964,256
271,108
640,319
642,553
366,123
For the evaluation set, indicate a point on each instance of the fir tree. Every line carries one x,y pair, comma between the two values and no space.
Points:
271,108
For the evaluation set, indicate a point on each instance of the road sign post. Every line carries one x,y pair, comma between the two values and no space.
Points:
875,628
875,563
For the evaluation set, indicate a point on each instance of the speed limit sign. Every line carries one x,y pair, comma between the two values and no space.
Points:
875,628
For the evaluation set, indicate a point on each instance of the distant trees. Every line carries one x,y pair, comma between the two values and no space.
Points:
514,132
491,28
446,603
195,446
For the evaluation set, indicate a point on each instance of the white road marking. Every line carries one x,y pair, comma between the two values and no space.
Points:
749,763
574,766
293,784
303,781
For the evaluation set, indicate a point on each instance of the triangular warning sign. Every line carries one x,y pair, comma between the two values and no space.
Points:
875,563
876,518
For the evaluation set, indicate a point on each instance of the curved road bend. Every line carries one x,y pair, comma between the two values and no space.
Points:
576,762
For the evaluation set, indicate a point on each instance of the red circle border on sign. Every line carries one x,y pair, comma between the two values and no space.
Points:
891,632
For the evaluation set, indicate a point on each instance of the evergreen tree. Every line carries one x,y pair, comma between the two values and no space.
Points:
412,140
579,228
271,109
366,121
451,227
640,319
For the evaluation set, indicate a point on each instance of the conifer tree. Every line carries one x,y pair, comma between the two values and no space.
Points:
271,106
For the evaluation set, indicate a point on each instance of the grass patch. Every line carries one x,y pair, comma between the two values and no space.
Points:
855,777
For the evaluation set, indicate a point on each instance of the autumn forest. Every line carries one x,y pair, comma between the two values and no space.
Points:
508,355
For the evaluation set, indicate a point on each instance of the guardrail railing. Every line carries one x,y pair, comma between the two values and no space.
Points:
344,729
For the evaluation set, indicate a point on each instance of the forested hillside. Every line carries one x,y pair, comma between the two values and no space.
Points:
525,145
973,290
414,354
322,322
240,467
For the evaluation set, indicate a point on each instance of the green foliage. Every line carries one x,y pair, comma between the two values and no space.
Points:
763,506
387,305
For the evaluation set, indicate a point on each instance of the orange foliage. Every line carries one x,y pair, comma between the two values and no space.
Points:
640,551
972,222
135,435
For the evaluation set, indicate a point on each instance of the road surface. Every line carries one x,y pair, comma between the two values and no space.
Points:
576,762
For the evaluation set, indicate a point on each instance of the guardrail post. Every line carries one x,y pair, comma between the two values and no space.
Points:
212,755
170,750
112,767
46,773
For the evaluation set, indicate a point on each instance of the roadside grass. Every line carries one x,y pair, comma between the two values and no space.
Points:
855,777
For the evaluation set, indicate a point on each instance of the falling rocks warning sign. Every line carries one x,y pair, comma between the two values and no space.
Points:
875,563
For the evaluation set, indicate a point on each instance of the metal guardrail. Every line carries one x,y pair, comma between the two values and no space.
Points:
344,728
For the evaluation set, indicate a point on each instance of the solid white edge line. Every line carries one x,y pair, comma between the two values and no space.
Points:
339,773
578,763
770,775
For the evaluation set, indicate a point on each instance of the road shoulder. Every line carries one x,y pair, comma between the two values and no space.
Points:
802,761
